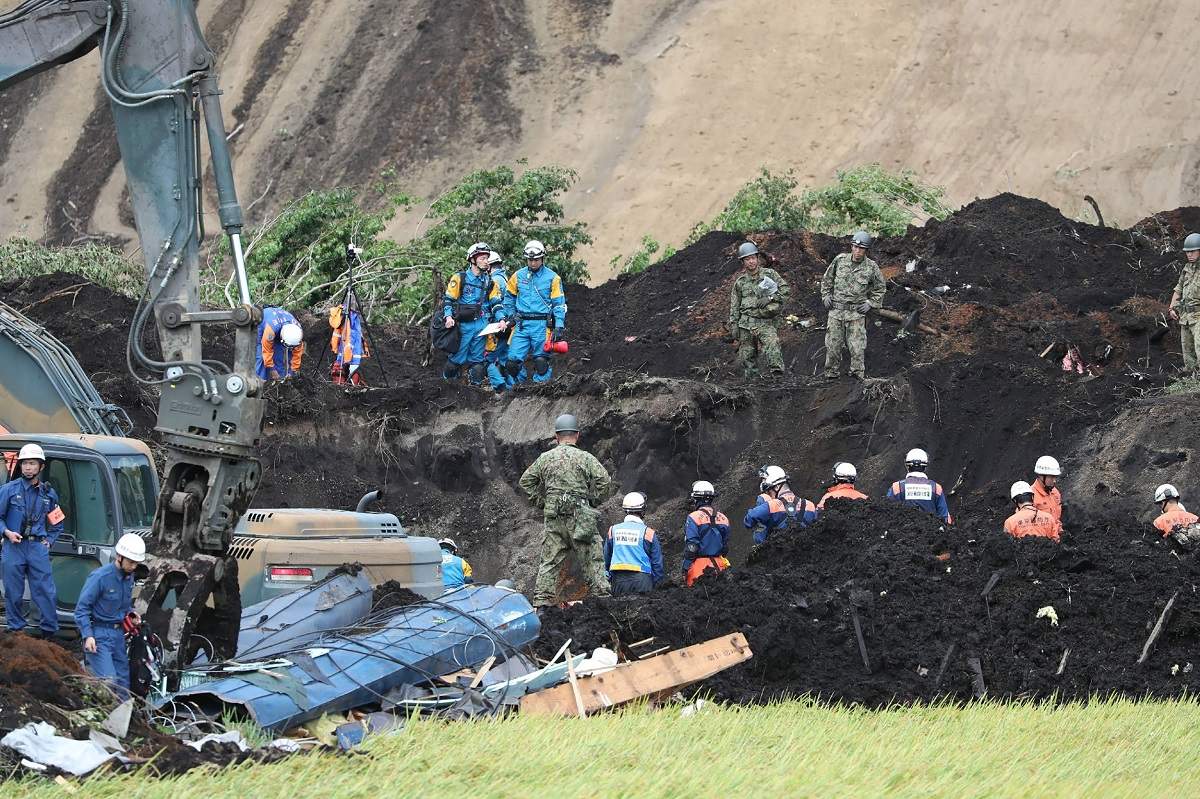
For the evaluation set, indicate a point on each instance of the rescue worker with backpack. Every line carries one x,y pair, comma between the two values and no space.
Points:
778,506
32,521
705,535
1028,520
470,302
1175,521
456,572
844,477
917,490
536,306
632,552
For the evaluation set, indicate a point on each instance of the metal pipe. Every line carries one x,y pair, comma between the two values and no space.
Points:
239,265
367,499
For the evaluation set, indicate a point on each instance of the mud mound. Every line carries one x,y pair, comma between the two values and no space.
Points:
924,619
36,666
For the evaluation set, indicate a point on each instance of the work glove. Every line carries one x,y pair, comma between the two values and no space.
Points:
827,302
864,308
273,374
558,334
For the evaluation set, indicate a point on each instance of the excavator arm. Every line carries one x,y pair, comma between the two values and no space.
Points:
158,74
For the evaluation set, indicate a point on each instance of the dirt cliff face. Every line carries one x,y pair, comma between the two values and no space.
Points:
665,107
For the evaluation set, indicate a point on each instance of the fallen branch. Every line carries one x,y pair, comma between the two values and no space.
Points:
1158,628
979,687
862,645
896,316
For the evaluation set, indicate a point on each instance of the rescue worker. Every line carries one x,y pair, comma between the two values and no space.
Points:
281,345
1185,305
566,483
537,308
778,508
1028,520
348,343
705,534
1174,515
1046,495
105,605
918,490
456,572
755,302
851,287
496,349
470,301
844,477
632,552
32,521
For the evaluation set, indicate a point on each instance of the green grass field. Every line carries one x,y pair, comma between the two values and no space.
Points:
1118,748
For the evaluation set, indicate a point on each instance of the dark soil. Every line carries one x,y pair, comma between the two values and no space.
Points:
923,618
391,594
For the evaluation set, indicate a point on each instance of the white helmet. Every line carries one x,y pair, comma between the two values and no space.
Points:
535,249
132,547
771,476
292,334
916,457
1047,465
475,249
702,489
1018,488
634,501
1164,492
845,472
31,452
448,543
495,258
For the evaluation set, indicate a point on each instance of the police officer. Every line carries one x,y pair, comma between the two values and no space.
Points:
1028,520
755,302
472,299
104,605
537,307
566,483
778,507
918,490
497,344
632,552
281,345
850,288
705,534
844,477
456,572
32,522
1185,305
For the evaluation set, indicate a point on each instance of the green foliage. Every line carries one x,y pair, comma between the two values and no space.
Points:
867,197
641,260
298,258
102,265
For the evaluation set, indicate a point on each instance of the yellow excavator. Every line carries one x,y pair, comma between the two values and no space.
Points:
159,76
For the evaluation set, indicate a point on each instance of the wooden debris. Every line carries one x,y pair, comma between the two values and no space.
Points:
1158,628
978,686
896,316
659,675
574,683
483,670
1062,664
991,583
1048,349
942,668
862,645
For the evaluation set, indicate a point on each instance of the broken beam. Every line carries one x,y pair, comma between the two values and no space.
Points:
643,678
1158,628
896,316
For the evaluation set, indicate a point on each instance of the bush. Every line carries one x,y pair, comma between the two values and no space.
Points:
765,203
641,260
100,264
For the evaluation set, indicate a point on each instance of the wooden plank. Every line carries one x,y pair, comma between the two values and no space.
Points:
629,681
483,670
1158,628
574,682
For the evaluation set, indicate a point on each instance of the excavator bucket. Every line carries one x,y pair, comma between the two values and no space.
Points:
194,605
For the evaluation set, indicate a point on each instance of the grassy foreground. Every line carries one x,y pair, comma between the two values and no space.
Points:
1117,748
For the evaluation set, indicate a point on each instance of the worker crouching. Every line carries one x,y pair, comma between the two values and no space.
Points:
705,535
632,552
844,477
1175,522
778,507
1028,520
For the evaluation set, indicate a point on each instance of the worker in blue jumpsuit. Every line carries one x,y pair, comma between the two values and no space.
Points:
281,345
32,523
456,572
347,343
705,535
470,302
632,552
537,307
778,507
917,490
105,610
497,346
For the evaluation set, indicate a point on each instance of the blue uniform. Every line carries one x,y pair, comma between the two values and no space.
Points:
919,491
537,301
106,598
456,572
497,356
631,546
272,354
471,300
31,510
778,513
708,531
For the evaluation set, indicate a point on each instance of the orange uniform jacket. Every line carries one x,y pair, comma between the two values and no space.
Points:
1048,501
841,491
1028,521
1173,518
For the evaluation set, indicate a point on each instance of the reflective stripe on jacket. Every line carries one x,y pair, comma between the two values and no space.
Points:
632,546
777,513
1029,521
841,491
919,491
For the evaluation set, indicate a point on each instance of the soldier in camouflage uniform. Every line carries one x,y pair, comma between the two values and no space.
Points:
566,482
851,287
1185,305
755,301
